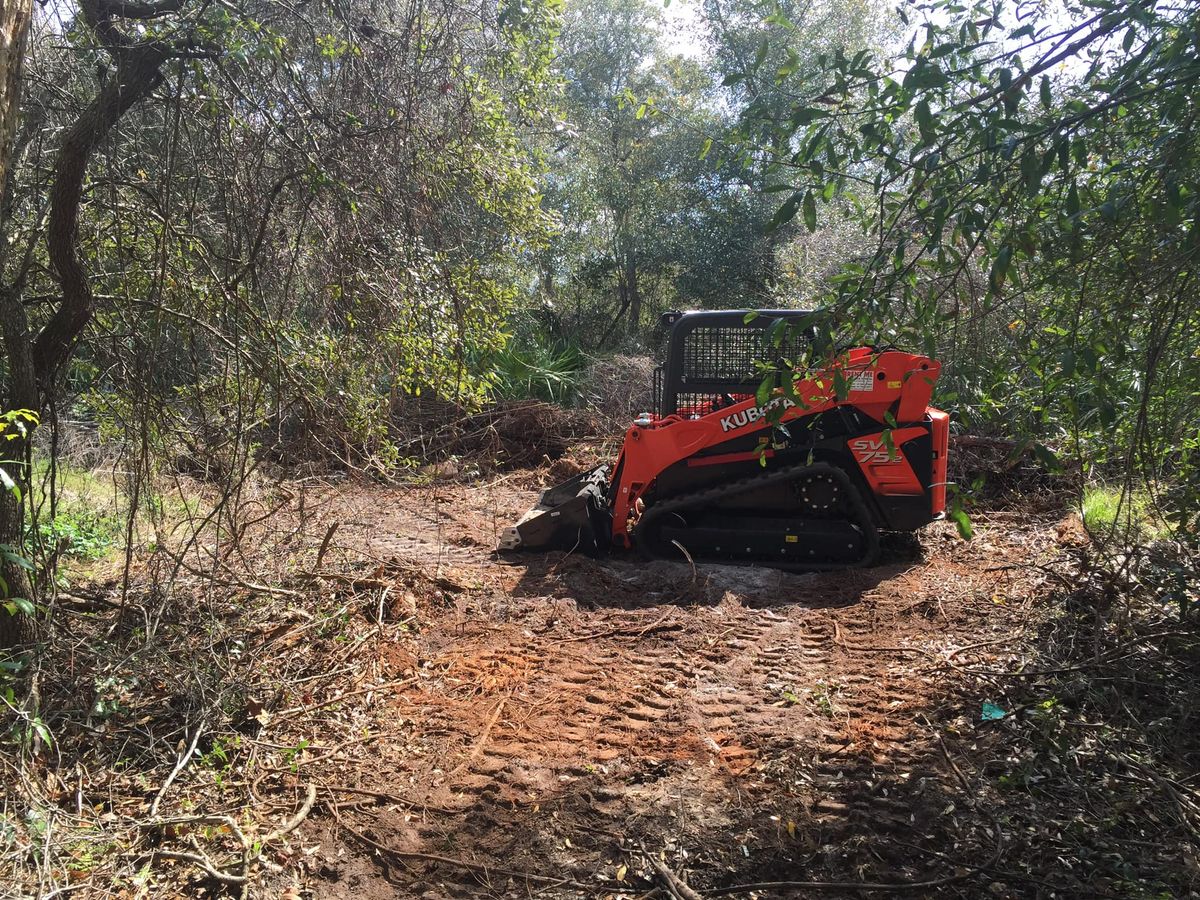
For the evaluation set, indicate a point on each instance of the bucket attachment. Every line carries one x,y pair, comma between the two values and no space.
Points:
574,515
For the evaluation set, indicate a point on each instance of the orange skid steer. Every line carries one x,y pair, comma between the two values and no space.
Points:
722,471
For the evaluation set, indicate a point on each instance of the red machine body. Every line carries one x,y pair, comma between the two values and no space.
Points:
805,480
878,384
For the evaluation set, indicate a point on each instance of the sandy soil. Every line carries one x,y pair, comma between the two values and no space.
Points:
549,718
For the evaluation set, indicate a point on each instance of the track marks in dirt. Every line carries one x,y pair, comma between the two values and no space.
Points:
729,690
566,704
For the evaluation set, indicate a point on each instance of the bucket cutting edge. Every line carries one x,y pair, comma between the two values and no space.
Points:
572,516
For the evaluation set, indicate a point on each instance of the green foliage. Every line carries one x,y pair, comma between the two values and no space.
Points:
14,424
653,214
81,533
27,726
537,371
335,218
85,524
1108,511
1030,194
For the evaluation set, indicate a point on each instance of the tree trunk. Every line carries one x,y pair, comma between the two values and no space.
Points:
635,293
15,630
14,31
137,74
34,363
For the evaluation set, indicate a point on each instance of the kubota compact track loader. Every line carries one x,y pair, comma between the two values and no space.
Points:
806,480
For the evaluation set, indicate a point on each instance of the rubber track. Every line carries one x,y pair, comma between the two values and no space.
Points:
701,498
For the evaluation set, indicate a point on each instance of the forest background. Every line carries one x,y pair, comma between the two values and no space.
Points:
259,239
241,235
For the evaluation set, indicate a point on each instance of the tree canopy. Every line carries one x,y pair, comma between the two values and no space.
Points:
1028,186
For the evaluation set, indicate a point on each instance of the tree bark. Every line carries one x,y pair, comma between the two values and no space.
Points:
15,16
137,74
634,292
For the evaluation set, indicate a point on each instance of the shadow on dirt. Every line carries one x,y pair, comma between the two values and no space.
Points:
632,583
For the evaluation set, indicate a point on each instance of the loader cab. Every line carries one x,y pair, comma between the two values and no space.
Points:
713,359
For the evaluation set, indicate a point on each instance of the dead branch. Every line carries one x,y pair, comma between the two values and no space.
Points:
297,820
672,883
203,862
183,761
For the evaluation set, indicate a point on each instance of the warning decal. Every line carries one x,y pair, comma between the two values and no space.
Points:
862,381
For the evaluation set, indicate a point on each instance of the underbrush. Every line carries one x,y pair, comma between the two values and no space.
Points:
171,733
1113,514
161,738
534,370
81,533
85,521
1096,755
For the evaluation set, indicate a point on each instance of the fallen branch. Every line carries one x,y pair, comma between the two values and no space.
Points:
298,710
672,883
295,821
179,765
656,625
325,545
199,859
483,738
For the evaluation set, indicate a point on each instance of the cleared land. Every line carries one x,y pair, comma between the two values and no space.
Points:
561,726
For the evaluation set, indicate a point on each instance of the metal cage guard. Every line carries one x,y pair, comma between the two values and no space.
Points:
711,354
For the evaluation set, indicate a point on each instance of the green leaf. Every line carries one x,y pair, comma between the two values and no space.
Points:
763,393
1000,267
42,731
777,332
810,211
11,556
1047,100
19,606
841,387
1072,200
803,115
925,120
890,444
786,212
761,55
1067,360
963,522
708,142
790,65
1047,458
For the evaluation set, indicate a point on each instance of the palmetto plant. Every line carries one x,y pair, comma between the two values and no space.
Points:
538,372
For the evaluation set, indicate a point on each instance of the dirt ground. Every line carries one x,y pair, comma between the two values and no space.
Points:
562,726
